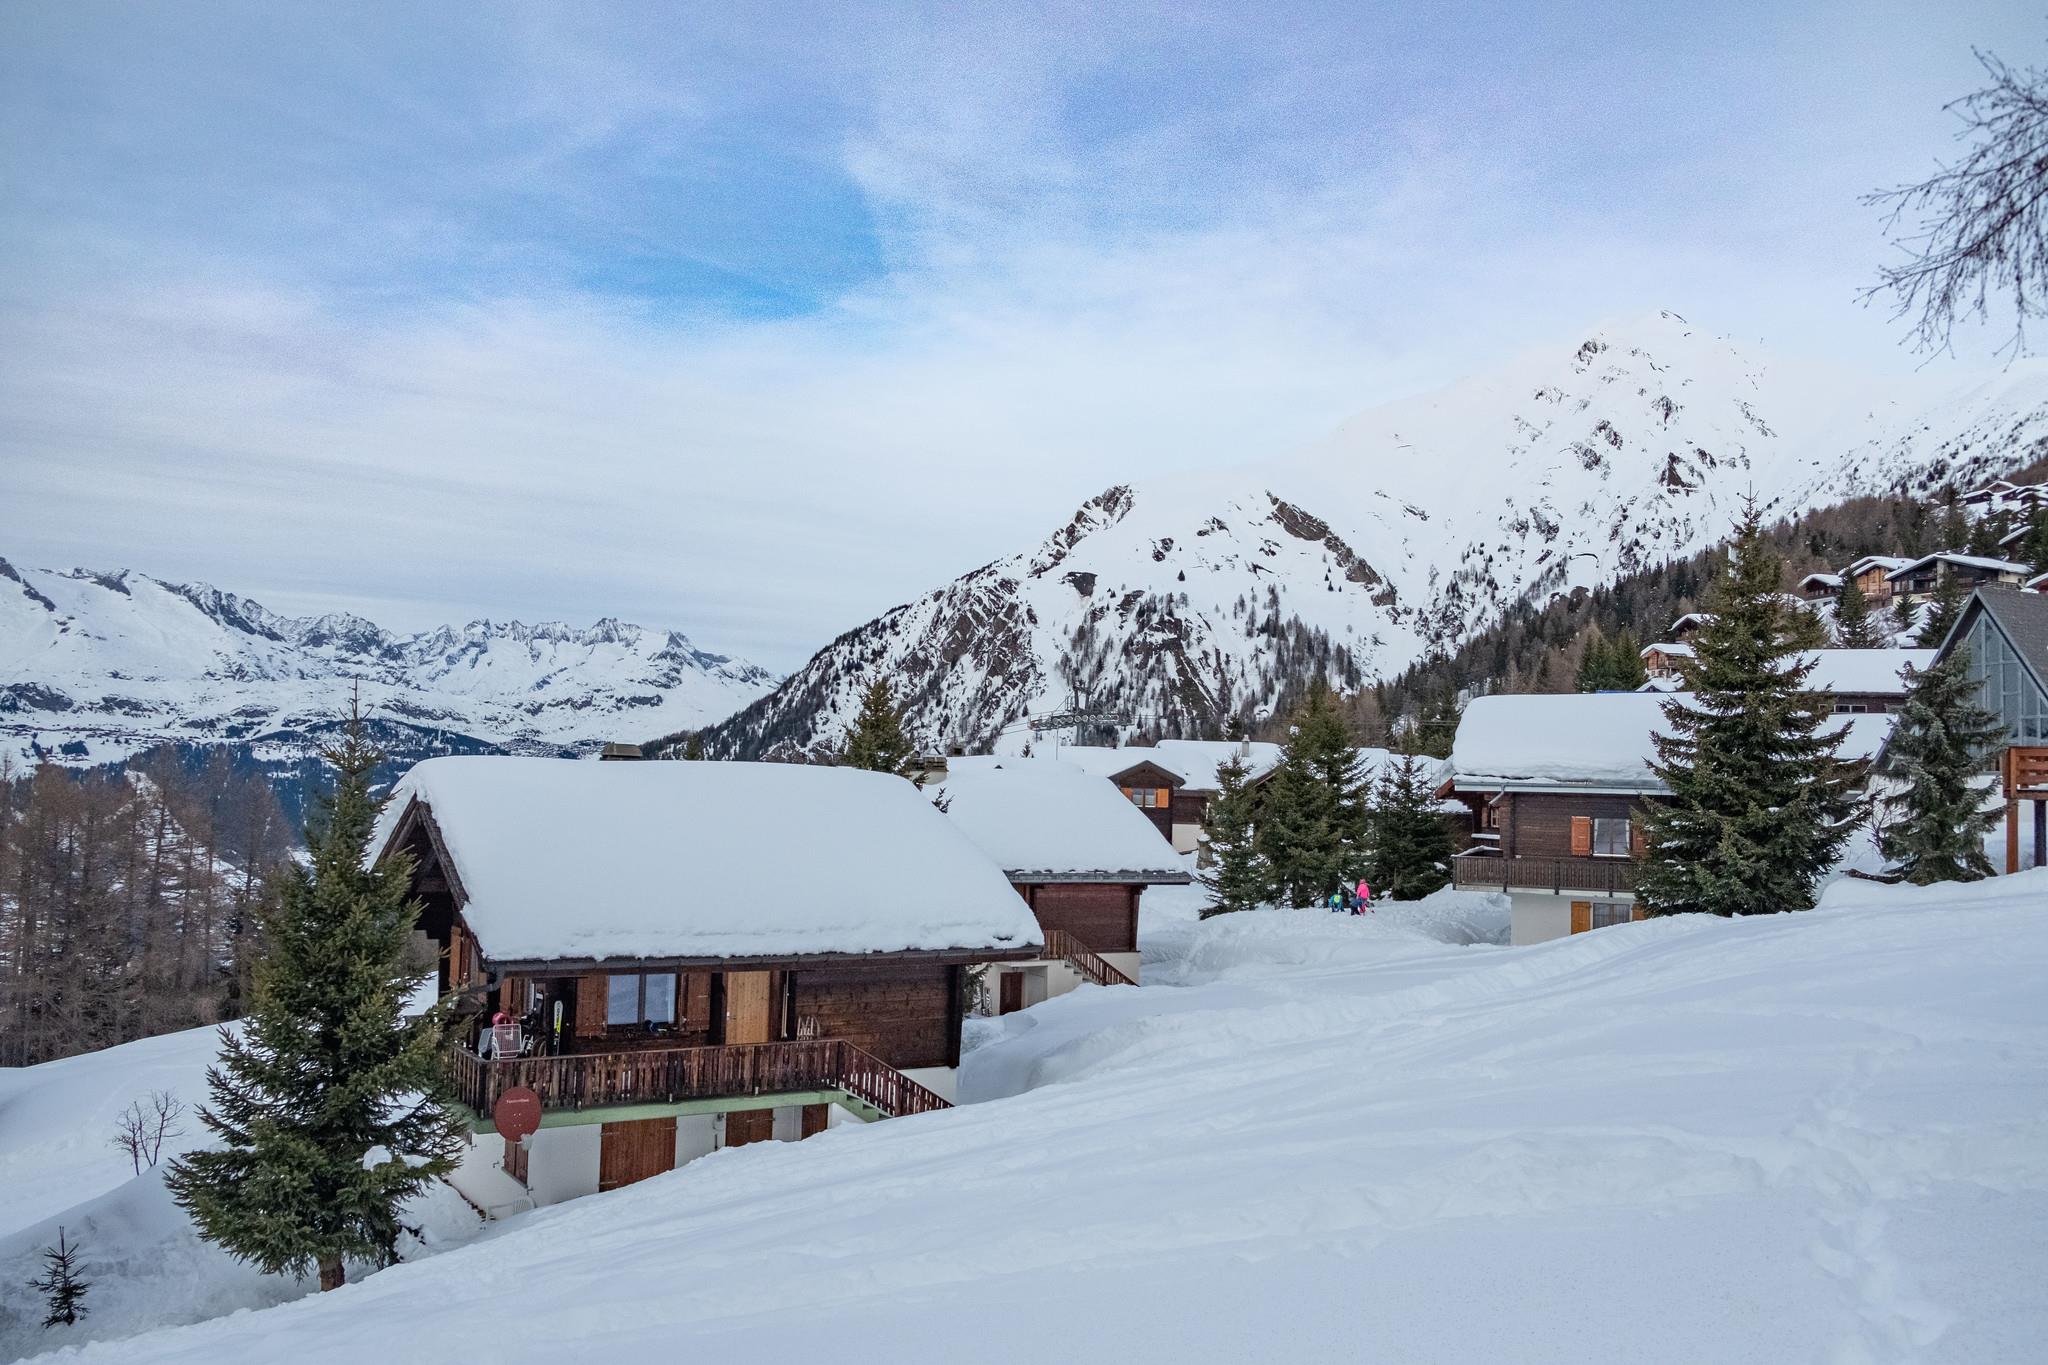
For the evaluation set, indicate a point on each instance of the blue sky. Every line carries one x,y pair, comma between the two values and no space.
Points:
757,320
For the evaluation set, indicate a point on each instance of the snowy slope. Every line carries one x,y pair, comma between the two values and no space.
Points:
109,663
1179,602
1818,1137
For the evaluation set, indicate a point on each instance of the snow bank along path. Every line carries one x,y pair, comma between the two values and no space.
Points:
1817,1137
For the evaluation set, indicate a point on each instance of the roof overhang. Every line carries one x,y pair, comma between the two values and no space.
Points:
1489,786
934,957
1159,878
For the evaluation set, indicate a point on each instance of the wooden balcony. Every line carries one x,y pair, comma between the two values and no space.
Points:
591,1080
1596,876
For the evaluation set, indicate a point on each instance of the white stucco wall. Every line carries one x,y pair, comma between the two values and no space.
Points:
1127,963
943,1081
696,1135
788,1124
561,1163
1538,918
1186,838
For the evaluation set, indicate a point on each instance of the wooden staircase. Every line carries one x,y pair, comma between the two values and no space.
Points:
1083,959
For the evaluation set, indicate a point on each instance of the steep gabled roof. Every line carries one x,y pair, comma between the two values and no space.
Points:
2021,616
1961,561
1045,820
1885,562
560,859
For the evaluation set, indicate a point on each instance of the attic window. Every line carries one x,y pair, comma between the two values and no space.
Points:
1151,798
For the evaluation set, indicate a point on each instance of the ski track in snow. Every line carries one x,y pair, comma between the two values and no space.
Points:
1817,1137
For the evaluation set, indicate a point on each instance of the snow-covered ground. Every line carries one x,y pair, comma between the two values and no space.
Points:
1816,1137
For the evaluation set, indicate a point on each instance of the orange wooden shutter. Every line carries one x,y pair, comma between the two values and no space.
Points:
1637,912
512,995
1582,835
1582,916
1165,797
458,957
593,990
747,1018
1638,837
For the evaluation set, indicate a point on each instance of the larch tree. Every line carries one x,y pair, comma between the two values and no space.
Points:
1933,818
876,740
1761,801
1236,877
327,1103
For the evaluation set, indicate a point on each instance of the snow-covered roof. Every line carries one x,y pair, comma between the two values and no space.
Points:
1048,819
1864,670
565,859
1962,561
1869,562
1668,647
2038,583
1193,761
1826,580
1691,618
1597,739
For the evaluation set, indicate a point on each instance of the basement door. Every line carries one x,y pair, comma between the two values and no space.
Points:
1010,993
633,1151
747,1016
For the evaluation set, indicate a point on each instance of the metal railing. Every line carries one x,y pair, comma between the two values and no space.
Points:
1600,876
586,1080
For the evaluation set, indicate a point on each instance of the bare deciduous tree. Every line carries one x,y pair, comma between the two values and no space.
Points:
1978,226
141,1133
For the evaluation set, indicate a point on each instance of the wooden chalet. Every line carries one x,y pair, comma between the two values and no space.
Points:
1174,781
1556,785
2006,634
1872,574
656,952
1078,854
1920,579
1820,587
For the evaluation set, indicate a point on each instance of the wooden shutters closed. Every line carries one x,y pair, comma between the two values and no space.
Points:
743,1126
748,1018
591,989
816,1118
1165,798
1582,916
633,1151
696,1002
1638,838
1582,836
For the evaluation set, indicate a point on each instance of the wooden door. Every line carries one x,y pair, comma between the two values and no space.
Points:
1582,916
1010,993
743,1126
748,1018
633,1151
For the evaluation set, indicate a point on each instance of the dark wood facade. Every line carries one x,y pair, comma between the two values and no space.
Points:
1103,915
1545,841
1152,789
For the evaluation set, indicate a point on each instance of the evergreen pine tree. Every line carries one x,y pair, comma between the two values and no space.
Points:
1236,876
1596,669
1627,661
1438,723
1315,820
327,1103
1760,799
1854,628
62,1290
693,748
1942,609
1411,845
876,740
2033,547
1934,817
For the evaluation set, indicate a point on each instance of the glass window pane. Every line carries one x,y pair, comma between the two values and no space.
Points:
1610,838
622,1000
661,997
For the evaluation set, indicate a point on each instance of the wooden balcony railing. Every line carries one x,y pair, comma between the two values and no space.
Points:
588,1080
1598,876
1083,959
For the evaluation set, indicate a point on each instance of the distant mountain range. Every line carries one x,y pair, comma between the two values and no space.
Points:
95,667
1175,604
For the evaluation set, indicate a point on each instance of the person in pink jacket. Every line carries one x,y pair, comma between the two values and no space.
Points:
1364,898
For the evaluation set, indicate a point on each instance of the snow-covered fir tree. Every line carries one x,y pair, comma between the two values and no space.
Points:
1854,626
1314,821
1411,845
1236,878
1933,817
1761,800
876,740
327,1102
1942,609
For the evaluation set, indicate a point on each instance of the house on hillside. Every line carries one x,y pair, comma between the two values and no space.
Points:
2006,634
1660,661
1918,580
1173,781
1685,627
1556,785
1081,857
1820,587
1858,681
697,955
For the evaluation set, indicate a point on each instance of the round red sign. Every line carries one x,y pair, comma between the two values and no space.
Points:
517,1113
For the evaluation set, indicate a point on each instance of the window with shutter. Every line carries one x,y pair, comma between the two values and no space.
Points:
1582,836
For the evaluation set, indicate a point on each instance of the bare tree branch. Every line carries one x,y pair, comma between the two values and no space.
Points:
1978,226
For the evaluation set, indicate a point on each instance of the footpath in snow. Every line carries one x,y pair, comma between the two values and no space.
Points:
1815,1137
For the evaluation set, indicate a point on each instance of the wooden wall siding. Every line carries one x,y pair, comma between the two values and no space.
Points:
1103,915
634,1151
696,1015
1190,808
1161,818
591,994
515,1160
899,1013
816,1117
749,1016
743,1126
1539,824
